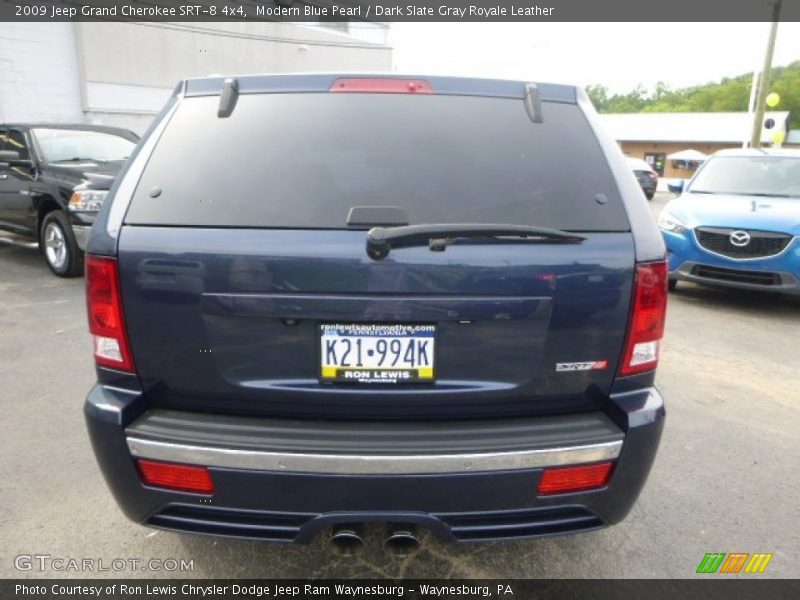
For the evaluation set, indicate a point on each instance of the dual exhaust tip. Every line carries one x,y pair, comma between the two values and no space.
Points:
400,540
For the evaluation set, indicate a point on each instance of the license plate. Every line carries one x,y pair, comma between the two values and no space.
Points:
372,353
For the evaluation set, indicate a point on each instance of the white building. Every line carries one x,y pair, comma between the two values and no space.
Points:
654,136
122,73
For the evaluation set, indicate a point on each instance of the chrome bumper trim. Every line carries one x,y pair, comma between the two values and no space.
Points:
81,233
353,464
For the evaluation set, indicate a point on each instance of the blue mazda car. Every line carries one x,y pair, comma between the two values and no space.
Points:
737,221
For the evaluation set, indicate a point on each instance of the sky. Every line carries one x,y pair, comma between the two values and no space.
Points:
617,55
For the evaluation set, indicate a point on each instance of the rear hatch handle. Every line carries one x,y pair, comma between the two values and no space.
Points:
381,240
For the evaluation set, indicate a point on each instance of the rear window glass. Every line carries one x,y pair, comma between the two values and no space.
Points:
303,160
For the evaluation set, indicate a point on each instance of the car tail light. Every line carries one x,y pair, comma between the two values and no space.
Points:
564,480
173,476
382,85
648,312
106,321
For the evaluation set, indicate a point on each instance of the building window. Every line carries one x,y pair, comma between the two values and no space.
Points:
656,160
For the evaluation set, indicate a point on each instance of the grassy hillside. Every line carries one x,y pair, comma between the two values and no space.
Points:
730,94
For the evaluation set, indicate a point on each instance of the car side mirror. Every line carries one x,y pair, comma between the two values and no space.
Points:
10,158
676,188
6,156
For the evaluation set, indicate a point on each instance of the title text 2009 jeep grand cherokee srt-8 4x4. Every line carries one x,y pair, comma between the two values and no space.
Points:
319,301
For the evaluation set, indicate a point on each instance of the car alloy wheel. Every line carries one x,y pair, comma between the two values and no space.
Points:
55,246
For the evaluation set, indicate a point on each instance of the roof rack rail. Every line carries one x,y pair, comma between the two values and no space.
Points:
228,98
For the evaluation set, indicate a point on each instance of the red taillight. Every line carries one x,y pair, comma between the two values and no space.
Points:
184,478
382,85
106,322
574,479
646,326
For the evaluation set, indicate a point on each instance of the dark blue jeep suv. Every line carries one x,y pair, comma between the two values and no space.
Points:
324,300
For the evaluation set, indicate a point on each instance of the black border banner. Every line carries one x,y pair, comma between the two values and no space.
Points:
708,587
398,10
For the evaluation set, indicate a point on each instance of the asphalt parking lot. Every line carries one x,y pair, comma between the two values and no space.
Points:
727,477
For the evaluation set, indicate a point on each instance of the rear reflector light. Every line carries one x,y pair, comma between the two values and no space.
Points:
184,478
382,85
574,479
648,313
104,307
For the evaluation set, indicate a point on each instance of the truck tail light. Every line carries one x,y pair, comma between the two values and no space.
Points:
381,85
106,320
564,480
173,476
646,325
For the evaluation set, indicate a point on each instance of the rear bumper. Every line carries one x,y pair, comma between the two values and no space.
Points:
288,480
649,188
352,448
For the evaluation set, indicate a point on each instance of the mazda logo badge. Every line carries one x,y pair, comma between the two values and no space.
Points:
740,238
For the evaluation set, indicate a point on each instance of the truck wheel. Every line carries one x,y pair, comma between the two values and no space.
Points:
672,284
58,244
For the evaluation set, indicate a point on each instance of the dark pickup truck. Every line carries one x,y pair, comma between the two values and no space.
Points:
53,180
375,299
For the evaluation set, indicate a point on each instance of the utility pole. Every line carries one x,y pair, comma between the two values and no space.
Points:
763,85
751,107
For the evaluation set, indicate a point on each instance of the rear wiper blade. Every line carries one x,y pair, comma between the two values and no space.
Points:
380,240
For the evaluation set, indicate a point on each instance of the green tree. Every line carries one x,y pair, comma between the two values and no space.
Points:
729,94
598,94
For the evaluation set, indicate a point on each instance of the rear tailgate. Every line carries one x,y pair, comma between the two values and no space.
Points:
231,269
230,320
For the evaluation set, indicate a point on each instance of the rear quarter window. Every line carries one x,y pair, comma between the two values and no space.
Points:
303,160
